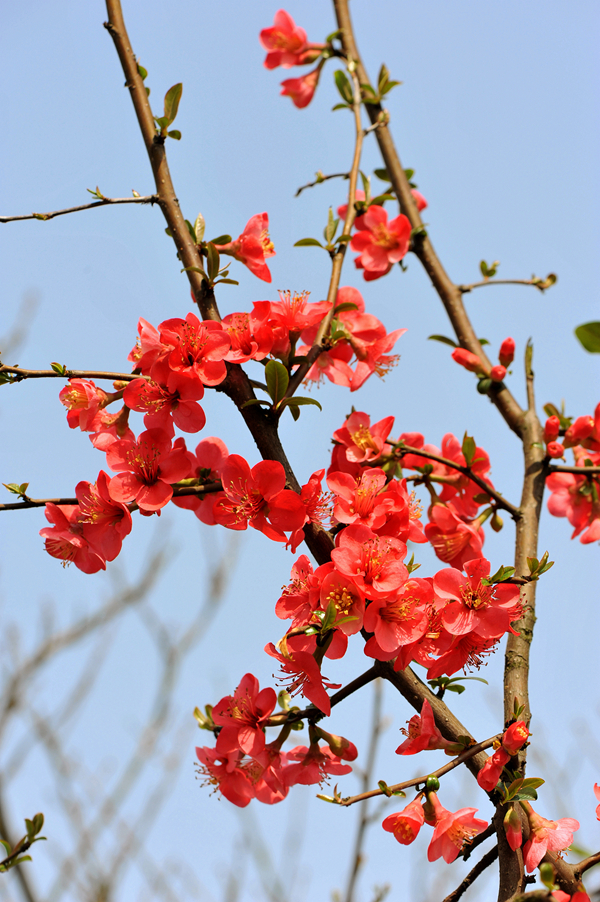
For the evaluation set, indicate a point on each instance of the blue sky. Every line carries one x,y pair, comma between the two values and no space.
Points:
498,115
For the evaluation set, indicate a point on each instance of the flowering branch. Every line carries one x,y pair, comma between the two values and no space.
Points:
401,449
465,756
105,202
21,374
488,859
313,713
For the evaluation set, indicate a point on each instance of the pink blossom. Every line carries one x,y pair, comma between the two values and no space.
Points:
148,347
381,244
317,507
105,522
302,90
147,468
286,43
164,408
206,465
302,674
374,563
313,765
551,429
242,717
361,440
253,247
223,771
473,606
452,832
83,399
250,333
546,835
64,539
400,618
405,824
597,794
419,199
497,373
454,541
195,350
422,733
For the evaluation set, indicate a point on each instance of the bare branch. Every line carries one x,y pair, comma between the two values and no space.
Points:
321,178
21,374
105,202
488,859
540,284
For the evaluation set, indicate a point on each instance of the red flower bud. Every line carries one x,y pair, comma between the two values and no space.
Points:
467,359
506,354
551,429
497,373
555,449
581,429
515,737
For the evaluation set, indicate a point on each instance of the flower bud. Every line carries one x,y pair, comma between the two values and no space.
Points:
555,449
512,828
506,354
340,746
551,429
467,359
497,373
515,737
496,522
578,431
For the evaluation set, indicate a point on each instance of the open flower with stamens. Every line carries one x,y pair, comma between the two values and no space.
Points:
546,835
313,765
64,539
285,43
464,653
380,242
361,502
258,497
400,618
454,540
250,333
301,673
374,563
473,606
195,350
422,733
452,832
346,597
317,506
105,522
223,771
242,717
147,468
361,440
164,408
253,247
83,399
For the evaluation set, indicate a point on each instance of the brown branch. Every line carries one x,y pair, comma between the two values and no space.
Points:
21,374
313,713
540,284
321,178
401,450
488,859
579,471
449,293
464,756
178,492
186,246
105,202
582,866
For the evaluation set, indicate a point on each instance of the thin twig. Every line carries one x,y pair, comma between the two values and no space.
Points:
488,859
578,471
178,492
401,449
105,202
21,374
314,714
464,756
540,284
321,178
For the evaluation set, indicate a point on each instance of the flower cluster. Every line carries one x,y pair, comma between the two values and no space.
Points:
474,364
286,45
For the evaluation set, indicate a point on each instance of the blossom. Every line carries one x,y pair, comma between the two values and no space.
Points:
250,333
400,618
302,90
303,675
83,399
490,773
374,563
546,835
551,429
242,717
452,831
515,737
147,468
473,606
285,43
361,440
512,828
454,541
317,507
313,765
148,347
419,199
206,465
293,313
253,247
194,350
258,497
575,497
105,522
223,772
405,824
164,408
465,652
422,733
597,794
64,539
381,243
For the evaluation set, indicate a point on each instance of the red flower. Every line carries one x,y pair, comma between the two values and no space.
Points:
147,468
381,243
165,408
469,360
64,539
544,835
372,562
451,833
491,771
253,246
453,540
361,440
83,399
302,90
317,507
405,824
303,675
473,606
575,497
226,776
313,765
105,522
195,350
515,737
597,794
258,497
422,733
206,465
250,333
419,199
506,354
285,42
242,717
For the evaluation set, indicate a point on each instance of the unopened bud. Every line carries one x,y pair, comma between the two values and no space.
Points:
497,373
551,429
496,522
578,431
467,359
555,449
507,352
512,828
515,737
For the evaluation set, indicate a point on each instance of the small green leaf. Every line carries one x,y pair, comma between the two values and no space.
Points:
382,174
212,261
176,134
483,341
300,402
226,282
143,72
162,122
343,86
193,269
331,227
343,238
15,488
199,227
294,410
340,106
253,401
443,339
59,368
222,239
277,379
191,230
588,336
331,37
383,77
468,449
381,199
172,98
347,305
308,242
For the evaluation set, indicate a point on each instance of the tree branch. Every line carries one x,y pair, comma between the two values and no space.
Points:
105,202
178,492
321,178
488,859
540,284
21,374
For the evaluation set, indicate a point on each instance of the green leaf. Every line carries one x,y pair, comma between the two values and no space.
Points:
254,401
443,339
483,341
15,488
308,242
343,238
347,305
382,174
199,227
193,269
383,77
226,282
500,576
588,336
331,227
191,230
277,379
172,98
6,846
143,72
468,448
162,122
176,134
343,86
460,689
381,199
300,402
409,174
388,87
294,410
59,368
340,106
331,37
212,261
222,239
